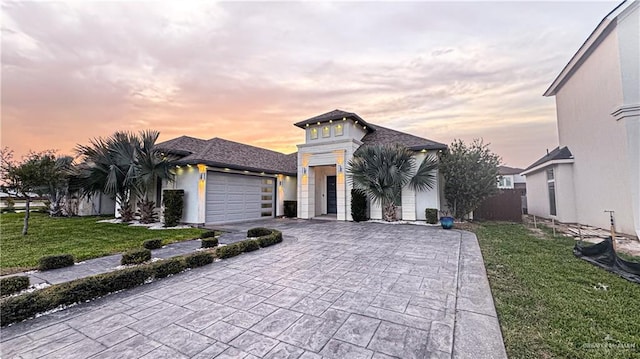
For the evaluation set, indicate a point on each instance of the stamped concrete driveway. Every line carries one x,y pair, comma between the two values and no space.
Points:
331,290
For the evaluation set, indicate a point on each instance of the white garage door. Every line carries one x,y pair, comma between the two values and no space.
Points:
233,197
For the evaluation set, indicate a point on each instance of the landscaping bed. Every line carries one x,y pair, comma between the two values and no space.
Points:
82,237
552,304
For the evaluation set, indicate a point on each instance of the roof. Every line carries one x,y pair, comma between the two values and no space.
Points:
557,154
601,31
333,116
383,136
218,152
506,170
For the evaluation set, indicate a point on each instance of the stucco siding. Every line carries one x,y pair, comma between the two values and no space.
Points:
537,194
601,175
187,179
565,193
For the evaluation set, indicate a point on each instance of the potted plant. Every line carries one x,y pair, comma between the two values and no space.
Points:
446,221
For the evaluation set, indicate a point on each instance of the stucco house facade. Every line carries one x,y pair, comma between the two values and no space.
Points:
596,166
226,181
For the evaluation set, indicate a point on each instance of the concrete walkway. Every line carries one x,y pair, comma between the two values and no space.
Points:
341,290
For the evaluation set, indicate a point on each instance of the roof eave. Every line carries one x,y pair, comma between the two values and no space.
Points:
233,167
546,164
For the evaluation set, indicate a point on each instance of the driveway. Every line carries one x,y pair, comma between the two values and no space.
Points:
331,290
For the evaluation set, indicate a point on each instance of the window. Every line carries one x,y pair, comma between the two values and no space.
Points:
266,197
326,131
505,182
551,185
338,130
314,133
158,192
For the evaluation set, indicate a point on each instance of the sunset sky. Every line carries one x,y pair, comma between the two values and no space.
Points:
247,71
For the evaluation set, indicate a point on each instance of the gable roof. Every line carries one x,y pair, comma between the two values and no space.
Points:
558,154
506,170
596,37
333,116
218,152
384,136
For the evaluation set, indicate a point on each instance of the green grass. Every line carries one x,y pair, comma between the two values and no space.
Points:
82,237
551,304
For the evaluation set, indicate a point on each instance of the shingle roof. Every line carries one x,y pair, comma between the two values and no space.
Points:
557,154
506,170
333,115
382,136
219,152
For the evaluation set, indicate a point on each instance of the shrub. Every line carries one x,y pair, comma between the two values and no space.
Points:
155,243
290,209
209,242
273,238
126,211
173,202
168,267
11,285
249,245
258,232
209,234
358,205
199,259
147,211
229,251
14,309
136,256
431,215
55,261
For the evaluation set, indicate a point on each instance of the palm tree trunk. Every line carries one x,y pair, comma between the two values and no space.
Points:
389,211
27,205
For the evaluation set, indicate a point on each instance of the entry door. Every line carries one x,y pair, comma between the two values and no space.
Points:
332,203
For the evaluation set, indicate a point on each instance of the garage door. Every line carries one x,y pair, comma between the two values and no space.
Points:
233,198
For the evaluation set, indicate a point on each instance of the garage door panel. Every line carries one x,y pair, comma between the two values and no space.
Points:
232,197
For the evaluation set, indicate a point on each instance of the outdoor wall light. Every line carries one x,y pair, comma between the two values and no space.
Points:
330,121
344,119
304,170
356,122
339,169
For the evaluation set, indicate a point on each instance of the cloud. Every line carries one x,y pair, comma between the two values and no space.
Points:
248,71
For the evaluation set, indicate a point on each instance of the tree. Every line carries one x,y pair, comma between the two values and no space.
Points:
56,172
470,174
36,173
124,165
382,171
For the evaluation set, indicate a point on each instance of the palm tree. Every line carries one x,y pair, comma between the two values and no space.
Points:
151,165
381,171
123,165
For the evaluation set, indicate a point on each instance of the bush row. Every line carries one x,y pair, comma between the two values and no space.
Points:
55,261
136,256
11,285
265,237
152,243
14,309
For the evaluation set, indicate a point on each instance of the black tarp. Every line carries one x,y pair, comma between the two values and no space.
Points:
602,254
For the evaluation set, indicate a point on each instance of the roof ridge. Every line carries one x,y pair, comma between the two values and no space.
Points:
244,144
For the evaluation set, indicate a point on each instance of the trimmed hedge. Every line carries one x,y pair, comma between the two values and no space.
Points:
358,205
199,259
152,243
56,261
11,285
258,232
228,251
173,202
271,239
291,209
14,309
168,267
249,245
135,256
431,215
209,242
209,234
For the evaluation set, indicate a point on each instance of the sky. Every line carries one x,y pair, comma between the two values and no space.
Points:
246,71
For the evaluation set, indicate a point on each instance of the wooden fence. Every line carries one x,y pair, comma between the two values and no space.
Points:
505,206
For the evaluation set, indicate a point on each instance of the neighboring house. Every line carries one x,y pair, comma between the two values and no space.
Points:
597,165
94,205
226,181
510,178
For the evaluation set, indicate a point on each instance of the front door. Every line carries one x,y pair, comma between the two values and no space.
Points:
332,203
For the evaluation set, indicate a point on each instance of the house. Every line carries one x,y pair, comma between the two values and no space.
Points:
596,167
510,178
226,181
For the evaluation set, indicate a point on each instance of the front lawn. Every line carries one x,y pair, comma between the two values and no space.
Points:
554,305
82,237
